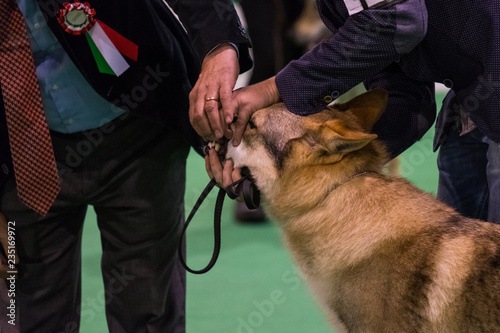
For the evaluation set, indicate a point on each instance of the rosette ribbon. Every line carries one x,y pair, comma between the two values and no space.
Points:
108,46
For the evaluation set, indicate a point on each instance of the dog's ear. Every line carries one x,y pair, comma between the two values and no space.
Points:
367,107
329,142
337,138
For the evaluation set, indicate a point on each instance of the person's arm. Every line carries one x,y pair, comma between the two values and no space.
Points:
410,112
223,45
210,23
364,45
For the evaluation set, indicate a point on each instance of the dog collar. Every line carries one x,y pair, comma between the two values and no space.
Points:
352,177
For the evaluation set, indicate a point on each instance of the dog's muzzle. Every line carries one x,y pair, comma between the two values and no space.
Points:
245,186
220,147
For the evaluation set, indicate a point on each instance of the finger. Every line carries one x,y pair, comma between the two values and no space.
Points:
208,168
229,110
203,125
228,104
211,109
228,173
228,133
237,173
215,166
197,116
239,126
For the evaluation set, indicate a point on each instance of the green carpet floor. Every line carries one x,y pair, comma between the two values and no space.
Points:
254,287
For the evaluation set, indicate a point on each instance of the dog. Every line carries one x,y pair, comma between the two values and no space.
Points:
379,254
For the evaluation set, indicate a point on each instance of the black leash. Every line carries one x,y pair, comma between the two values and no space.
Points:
252,199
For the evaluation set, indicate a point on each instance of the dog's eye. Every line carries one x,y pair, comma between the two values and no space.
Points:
251,124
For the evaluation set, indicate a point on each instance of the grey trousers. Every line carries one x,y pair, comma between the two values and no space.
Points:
132,172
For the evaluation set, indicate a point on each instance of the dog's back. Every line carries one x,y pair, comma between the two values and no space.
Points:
398,261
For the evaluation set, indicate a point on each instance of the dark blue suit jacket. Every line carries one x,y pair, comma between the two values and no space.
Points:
405,49
166,56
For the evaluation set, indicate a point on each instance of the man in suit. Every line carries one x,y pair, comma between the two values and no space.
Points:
405,46
120,141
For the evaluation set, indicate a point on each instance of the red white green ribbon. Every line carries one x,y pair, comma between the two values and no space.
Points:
108,46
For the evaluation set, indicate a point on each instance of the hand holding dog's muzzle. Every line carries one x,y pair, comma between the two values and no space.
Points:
237,183
210,102
221,170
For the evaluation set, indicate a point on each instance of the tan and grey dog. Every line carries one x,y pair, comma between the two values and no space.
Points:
380,254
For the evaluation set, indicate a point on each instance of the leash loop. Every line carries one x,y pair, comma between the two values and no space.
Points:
252,199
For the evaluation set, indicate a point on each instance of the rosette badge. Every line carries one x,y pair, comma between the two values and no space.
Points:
108,46
76,18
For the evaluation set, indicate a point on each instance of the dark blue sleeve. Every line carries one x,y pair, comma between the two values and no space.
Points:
211,22
410,112
364,45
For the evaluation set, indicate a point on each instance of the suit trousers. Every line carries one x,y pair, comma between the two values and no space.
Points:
132,172
469,174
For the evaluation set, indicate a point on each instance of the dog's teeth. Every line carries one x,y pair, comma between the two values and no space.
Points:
214,145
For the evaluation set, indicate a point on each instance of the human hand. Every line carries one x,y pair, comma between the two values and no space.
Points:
11,255
213,91
224,174
250,99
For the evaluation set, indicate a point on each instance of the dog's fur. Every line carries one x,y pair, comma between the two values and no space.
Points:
380,254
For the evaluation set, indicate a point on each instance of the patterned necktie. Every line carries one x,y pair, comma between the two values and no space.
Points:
31,147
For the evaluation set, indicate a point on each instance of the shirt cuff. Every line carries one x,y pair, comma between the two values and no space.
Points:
232,44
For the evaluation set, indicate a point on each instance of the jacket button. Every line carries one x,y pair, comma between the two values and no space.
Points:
448,83
5,169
